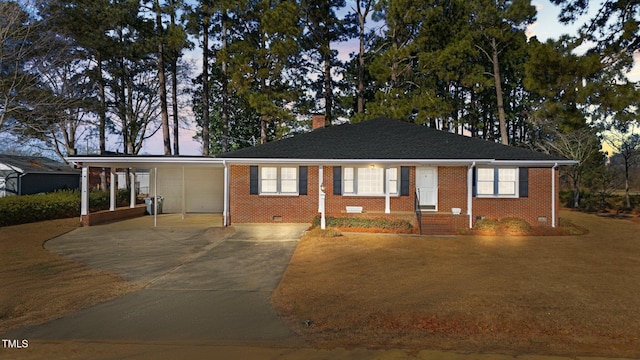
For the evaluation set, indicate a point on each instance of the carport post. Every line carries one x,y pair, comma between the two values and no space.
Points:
113,178
155,197
470,171
183,195
132,198
84,195
225,210
553,195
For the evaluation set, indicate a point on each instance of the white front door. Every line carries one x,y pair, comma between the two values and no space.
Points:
427,186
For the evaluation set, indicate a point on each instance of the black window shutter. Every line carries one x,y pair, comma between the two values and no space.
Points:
302,180
404,181
523,182
474,182
337,180
253,180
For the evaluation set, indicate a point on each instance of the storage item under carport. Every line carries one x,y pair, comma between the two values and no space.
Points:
149,201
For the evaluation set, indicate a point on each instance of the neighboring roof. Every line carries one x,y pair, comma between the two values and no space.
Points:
386,139
34,164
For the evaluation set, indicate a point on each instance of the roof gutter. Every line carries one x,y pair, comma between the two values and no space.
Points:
142,161
153,161
533,163
242,161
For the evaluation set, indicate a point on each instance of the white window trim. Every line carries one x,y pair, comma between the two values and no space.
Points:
278,180
393,192
495,194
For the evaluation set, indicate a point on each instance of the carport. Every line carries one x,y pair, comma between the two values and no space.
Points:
186,184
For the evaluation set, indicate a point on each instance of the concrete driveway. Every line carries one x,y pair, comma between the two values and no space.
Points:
199,282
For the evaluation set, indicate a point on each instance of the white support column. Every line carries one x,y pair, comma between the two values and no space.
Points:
320,185
387,191
184,196
113,187
470,193
155,197
133,195
84,195
321,197
225,210
553,195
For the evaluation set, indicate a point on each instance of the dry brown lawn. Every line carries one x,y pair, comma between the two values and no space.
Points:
38,286
558,295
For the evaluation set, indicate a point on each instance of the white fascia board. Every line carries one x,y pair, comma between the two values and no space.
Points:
144,162
158,161
441,162
533,163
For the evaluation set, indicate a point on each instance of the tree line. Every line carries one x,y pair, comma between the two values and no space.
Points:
119,68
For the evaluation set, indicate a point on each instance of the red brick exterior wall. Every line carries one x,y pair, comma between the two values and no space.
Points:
106,216
336,204
247,208
452,188
452,192
537,204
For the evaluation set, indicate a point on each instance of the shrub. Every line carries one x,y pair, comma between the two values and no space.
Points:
31,208
514,226
57,205
487,226
569,228
327,233
395,225
505,226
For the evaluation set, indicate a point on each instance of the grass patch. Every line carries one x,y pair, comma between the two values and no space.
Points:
39,286
571,296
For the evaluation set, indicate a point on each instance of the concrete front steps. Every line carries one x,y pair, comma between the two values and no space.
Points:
440,223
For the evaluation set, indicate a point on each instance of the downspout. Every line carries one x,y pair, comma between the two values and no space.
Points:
553,195
225,210
470,193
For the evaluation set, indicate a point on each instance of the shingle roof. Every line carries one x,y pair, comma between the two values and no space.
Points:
36,164
386,139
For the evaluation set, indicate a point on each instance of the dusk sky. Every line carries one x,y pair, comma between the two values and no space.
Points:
546,26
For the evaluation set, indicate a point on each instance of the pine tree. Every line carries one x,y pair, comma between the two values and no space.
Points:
261,60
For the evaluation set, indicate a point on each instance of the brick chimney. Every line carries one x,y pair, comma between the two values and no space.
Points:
317,121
